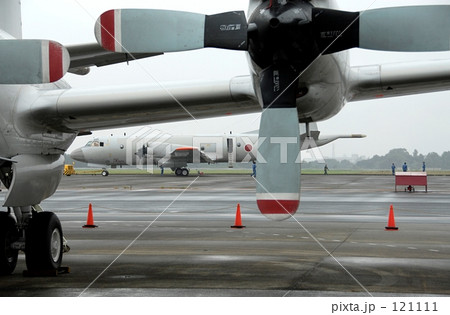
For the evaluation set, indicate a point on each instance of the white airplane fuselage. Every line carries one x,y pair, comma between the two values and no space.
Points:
162,148
117,151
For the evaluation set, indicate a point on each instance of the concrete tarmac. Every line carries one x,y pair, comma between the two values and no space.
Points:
171,236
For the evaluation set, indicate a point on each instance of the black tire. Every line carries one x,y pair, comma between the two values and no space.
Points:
105,173
178,172
8,234
44,242
184,172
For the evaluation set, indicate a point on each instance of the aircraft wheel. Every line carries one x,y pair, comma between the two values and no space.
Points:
44,242
8,234
178,171
184,172
105,173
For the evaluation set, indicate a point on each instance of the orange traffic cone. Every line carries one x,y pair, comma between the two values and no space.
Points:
90,219
238,221
391,223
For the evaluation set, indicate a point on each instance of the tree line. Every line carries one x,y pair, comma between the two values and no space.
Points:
397,156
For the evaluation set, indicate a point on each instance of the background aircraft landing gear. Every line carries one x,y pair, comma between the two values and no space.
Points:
181,171
44,242
8,235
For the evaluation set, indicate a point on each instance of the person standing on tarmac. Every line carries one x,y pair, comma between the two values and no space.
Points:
254,169
405,167
393,169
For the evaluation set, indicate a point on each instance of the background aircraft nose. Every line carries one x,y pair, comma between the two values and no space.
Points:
78,155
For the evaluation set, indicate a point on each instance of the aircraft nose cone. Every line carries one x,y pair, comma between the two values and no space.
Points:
78,155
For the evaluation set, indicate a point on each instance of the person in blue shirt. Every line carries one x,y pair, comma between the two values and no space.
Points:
423,166
254,169
393,169
405,167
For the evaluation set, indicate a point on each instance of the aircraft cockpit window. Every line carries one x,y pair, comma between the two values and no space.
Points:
102,144
88,144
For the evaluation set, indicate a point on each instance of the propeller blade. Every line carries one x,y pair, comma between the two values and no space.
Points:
154,31
406,29
420,28
32,61
278,170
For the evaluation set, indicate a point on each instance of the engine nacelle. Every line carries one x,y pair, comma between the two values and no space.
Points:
34,178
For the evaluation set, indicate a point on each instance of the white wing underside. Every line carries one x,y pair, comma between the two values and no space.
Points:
397,79
99,108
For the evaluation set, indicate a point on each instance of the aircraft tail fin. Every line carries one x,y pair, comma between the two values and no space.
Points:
10,19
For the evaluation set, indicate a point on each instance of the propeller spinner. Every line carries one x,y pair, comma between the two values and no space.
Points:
282,38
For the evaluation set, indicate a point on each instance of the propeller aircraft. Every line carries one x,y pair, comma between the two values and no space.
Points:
298,53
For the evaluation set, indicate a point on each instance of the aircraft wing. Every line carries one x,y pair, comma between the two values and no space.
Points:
84,56
397,79
99,108
85,109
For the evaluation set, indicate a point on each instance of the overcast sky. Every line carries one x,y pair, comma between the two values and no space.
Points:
414,122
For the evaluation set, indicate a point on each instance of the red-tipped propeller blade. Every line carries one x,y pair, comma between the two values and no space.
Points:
32,61
154,31
278,167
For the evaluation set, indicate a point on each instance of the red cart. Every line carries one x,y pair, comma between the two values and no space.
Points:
410,180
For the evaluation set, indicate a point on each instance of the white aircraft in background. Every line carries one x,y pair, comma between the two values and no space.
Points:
300,73
177,151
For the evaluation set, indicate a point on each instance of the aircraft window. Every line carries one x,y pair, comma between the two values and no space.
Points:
102,144
88,144
238,144
121,146
202,148
95,143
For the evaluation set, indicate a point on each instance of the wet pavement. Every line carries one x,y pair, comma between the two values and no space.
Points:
171,236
